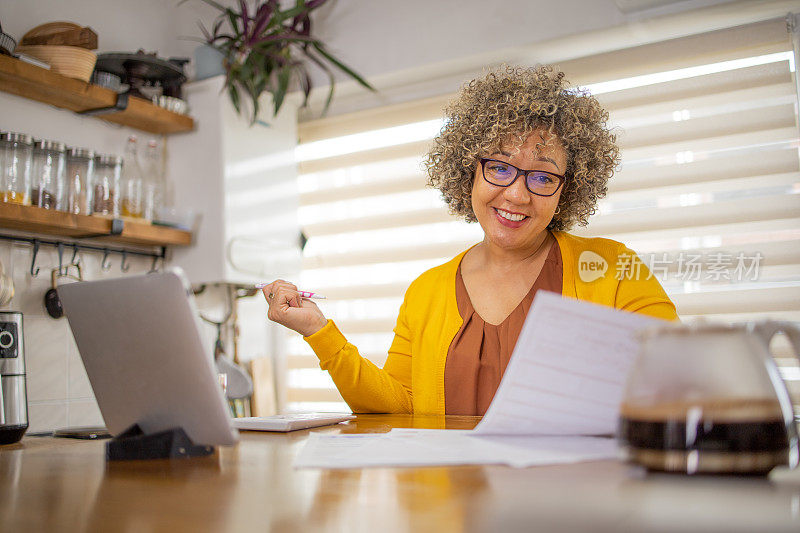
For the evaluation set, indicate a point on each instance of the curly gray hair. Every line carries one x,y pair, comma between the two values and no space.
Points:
511,103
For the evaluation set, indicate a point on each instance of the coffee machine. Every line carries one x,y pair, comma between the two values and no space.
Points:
13,395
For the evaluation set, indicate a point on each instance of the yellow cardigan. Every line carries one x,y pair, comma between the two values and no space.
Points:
412,380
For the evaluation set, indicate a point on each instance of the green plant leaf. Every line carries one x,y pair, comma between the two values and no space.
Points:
305,81
232,16
213,4
290,13
233,92
347,70
284,75
256,108
329,72
204,31
261,54
217,26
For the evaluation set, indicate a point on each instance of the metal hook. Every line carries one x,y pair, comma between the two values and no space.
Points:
153,267
105,265
124,266
34,273
60,247
74,256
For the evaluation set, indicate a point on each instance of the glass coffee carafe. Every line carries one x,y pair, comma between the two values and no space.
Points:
708,398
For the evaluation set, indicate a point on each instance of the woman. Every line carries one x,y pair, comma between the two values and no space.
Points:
526,158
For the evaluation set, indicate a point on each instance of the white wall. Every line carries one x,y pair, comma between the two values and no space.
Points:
376,37
416,49
121,25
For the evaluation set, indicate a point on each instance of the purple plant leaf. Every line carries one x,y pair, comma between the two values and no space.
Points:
302,24
245,16
266,10
263,16
314,4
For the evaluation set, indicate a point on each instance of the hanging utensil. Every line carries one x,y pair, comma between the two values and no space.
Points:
52,303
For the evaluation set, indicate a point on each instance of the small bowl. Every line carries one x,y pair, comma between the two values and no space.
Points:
107,80
7,44
170,103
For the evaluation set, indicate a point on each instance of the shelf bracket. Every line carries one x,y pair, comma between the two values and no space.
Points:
117,226
120,106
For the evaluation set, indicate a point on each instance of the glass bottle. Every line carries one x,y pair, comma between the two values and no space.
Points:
2,164
153,189
47,183
131,181
16,149
80,170
105,185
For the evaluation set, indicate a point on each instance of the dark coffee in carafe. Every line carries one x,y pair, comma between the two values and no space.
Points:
726,435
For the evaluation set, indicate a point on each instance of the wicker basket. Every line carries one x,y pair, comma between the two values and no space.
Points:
70,61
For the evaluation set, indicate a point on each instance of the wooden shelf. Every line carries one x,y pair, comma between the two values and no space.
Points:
35,83
46,221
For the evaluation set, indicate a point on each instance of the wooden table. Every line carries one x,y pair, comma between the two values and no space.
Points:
51,484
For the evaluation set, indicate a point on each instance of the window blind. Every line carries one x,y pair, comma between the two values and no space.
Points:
707,194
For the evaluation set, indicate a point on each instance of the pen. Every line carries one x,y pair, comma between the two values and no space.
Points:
303,294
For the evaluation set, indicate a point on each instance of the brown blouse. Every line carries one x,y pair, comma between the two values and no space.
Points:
479,353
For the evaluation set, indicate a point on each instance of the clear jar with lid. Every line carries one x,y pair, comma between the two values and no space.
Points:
16,150
47,176
80,170
105,185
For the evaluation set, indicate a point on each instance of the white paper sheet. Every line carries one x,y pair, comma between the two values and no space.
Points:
442,447
567,372
564,383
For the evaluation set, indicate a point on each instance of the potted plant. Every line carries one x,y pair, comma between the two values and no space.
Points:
265,47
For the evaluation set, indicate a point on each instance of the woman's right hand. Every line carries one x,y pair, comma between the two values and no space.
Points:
288,308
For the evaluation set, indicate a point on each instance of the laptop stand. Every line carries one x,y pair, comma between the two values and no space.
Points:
134,444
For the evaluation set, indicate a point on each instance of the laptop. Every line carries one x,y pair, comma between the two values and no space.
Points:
141,344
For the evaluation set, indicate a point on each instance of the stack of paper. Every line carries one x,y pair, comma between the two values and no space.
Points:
561,389
438,447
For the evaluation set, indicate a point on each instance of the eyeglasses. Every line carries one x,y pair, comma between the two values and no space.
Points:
503,174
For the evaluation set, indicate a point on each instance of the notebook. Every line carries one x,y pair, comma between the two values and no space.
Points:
291,422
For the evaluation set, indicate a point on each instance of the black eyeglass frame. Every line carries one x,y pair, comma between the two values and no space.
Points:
526,173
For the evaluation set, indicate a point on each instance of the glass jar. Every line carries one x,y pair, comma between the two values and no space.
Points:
47,181
105,185
80,168
15,175
2,164
132,181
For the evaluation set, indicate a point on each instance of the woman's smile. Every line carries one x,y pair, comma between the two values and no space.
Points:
510,219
